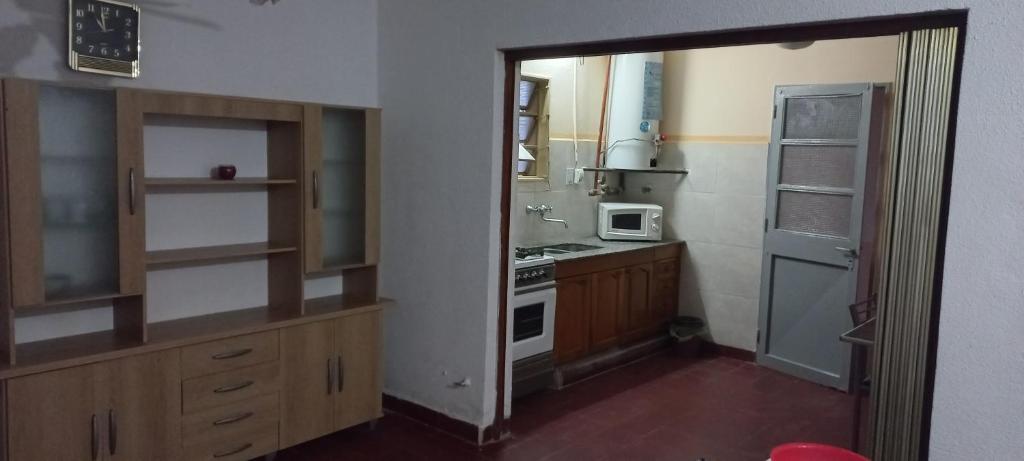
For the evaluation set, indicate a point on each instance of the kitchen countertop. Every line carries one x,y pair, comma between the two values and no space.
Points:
607,247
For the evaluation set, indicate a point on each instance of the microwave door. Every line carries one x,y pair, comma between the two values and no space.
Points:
626,223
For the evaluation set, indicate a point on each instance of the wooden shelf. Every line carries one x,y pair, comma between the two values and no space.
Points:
213,253
52,354
208,182
74,300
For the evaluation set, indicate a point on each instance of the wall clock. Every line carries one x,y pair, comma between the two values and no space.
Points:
103,37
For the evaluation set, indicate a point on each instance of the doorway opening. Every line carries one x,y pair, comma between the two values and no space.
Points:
715,186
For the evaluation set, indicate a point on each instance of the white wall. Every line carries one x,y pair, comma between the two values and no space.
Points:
308,50
448,317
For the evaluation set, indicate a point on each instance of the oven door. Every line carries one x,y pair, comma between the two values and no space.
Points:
533,321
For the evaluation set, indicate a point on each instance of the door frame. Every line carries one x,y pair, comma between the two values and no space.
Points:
827,30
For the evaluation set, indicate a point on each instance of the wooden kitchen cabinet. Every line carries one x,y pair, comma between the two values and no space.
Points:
342,169
126,409
572,318
55,415
331,376
307,382
606,309
612,300
638,301
357,345
74,184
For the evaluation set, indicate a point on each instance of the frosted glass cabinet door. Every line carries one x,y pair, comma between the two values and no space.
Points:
62,148
340,157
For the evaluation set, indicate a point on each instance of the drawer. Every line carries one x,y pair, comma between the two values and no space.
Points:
223,422
238,447
206,392
228,354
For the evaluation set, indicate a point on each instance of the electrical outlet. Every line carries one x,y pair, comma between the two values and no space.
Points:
570,176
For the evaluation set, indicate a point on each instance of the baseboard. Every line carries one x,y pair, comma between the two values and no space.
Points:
712,349
462,430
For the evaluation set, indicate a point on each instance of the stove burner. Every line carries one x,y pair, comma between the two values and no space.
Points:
524,253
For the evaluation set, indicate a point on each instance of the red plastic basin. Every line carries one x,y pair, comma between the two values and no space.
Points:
813,452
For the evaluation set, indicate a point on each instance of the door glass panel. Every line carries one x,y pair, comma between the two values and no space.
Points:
78,162
822,117
814,213
342,187
821,166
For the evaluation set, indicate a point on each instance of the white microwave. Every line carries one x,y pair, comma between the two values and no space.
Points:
629,221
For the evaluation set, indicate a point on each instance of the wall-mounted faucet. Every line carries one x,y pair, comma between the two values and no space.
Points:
543,210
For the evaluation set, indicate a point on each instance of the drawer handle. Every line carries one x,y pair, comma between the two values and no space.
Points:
233,452
112,436
232,354
95,439
233,419
233,387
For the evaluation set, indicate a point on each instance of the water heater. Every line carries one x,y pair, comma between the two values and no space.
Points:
634,110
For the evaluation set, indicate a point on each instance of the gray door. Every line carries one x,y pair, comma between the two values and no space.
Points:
816,171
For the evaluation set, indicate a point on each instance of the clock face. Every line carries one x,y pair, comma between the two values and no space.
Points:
104,30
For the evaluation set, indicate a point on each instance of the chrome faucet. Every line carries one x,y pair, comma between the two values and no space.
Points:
543,210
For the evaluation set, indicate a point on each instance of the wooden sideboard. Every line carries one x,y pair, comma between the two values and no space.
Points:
229,385
614,299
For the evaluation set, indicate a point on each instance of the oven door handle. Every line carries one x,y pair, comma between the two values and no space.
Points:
533,288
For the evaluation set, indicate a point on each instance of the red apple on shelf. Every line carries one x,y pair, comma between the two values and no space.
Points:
226,172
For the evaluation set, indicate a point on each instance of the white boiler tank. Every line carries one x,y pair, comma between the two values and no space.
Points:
634,110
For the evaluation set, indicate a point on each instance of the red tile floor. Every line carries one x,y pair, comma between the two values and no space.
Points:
659,408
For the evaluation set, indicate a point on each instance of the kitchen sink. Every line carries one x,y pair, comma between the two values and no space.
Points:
563,248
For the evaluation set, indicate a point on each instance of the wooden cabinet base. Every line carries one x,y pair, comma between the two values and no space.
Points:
610,301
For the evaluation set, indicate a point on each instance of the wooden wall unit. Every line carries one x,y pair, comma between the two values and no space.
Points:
228,385
614,299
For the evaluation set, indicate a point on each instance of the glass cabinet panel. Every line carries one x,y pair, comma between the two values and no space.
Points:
342,187
78,163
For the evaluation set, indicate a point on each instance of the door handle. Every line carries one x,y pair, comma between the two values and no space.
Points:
316,190
131,191
848,252
95,439
330,377
112,434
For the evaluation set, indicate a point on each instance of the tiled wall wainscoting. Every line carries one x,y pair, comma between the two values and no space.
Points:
718,209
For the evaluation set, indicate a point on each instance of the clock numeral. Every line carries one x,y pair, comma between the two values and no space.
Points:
128,48
117,13
78,26
105,10
92,48
91,7
78,40
79,13
128,34
104,51
128,22
117,53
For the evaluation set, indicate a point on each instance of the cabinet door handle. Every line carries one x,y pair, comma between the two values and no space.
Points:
341,375
233,387
233,419
231,354
330,377
112,435
233,451
95,439
131,191
316,190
